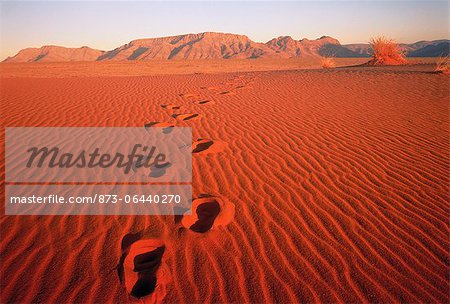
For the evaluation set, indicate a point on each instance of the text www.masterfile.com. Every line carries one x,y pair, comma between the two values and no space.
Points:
98,198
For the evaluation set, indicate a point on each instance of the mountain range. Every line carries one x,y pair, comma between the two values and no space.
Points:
211,45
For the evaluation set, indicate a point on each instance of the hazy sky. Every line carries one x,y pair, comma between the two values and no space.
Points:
106,24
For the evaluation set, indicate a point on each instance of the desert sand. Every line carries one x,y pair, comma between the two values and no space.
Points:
334,182
181,67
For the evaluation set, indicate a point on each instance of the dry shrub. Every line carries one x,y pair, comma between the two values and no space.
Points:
386,52
443,65
327,62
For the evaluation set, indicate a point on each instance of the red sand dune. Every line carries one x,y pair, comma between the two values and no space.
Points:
339,180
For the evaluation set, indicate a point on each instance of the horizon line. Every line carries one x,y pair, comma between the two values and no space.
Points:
206,32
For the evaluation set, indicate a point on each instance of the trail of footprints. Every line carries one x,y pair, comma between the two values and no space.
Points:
141,268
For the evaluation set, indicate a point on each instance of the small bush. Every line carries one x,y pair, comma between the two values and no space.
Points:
386,52
443,65
327,62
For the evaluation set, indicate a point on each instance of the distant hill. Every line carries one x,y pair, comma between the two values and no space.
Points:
51,53
190,46
211,45
432,50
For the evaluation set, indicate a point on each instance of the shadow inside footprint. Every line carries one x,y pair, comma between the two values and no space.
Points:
227,93
166,127
146,265
129,239
139,263
207,213
201,102
170,107
201,145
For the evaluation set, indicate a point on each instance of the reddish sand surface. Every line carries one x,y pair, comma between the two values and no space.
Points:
335,185
170,67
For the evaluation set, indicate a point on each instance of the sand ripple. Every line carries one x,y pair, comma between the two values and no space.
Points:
339,181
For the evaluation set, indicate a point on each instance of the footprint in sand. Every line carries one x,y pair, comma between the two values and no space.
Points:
243,86
207,145
185,116
201,145
165,126
171,106
208,212
202,102
227,93
214,89
141,269
190,95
